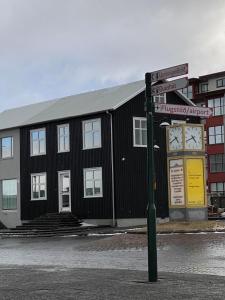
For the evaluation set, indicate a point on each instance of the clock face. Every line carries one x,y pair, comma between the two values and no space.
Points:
193,138
175,138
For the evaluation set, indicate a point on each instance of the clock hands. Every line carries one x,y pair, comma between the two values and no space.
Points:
175,139
192,138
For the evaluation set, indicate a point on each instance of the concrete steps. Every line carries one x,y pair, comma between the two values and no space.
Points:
50,224
44,232
51,221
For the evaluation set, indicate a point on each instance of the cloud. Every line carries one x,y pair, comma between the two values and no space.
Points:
54,48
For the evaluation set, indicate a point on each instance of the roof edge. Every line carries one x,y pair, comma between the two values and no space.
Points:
128,98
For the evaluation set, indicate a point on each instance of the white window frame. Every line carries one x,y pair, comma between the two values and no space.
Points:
31,177
8,209
31,142
84,182
214,135
83,133
161,98
134,140
216,107
11,154
216,185
58,137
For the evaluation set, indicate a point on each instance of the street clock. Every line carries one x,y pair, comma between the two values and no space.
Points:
175,138
193,137
185,137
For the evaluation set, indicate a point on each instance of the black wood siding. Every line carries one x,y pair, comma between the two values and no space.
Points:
130,162
75,161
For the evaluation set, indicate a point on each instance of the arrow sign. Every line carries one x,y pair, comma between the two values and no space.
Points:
172,109
169,86
170,72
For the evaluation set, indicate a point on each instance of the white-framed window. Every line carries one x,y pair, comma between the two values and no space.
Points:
38,186
139,132
216,135
217,187
9,194
63,138
93,182
6,147
161,98
38,142
92,134
218,105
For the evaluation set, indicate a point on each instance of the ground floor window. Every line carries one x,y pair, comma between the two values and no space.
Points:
38,186
93,182
9,194
217,187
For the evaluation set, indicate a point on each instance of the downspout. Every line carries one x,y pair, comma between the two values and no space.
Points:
112,171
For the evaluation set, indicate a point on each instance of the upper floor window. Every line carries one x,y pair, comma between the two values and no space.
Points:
6,147
140,132
38,142
187,92
63,138
216,135
9,194
216,163
161,98
204,87
38,186
92,134
93,182
220,83
218,105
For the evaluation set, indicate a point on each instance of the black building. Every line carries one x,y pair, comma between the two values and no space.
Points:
87,154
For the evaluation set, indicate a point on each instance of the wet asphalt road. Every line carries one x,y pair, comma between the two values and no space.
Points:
182,253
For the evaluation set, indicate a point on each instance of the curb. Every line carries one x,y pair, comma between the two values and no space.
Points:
179,231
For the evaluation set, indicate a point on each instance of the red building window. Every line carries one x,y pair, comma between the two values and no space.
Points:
216,135
218,105
216,163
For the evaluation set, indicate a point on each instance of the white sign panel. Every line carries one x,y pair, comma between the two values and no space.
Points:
169,86
170,72
173,109
176,176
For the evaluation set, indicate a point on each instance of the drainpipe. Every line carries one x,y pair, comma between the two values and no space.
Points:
112,171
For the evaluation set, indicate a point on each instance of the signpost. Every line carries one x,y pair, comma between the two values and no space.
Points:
149,92
169,86
169,72
186,110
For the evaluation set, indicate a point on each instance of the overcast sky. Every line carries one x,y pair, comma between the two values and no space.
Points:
54,48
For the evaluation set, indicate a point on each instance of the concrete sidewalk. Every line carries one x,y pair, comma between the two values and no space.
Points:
90,284
185,227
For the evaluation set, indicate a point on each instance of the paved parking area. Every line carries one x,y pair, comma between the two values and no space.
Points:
112,267
29,283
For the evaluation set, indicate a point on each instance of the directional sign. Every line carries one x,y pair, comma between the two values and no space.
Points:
170,72
169,86
172,109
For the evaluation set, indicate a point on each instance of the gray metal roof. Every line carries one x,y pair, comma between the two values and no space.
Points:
77,105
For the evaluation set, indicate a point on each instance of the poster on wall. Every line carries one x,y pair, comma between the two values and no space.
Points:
176,182
195,182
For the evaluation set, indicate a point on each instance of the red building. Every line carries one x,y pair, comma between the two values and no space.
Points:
209,90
